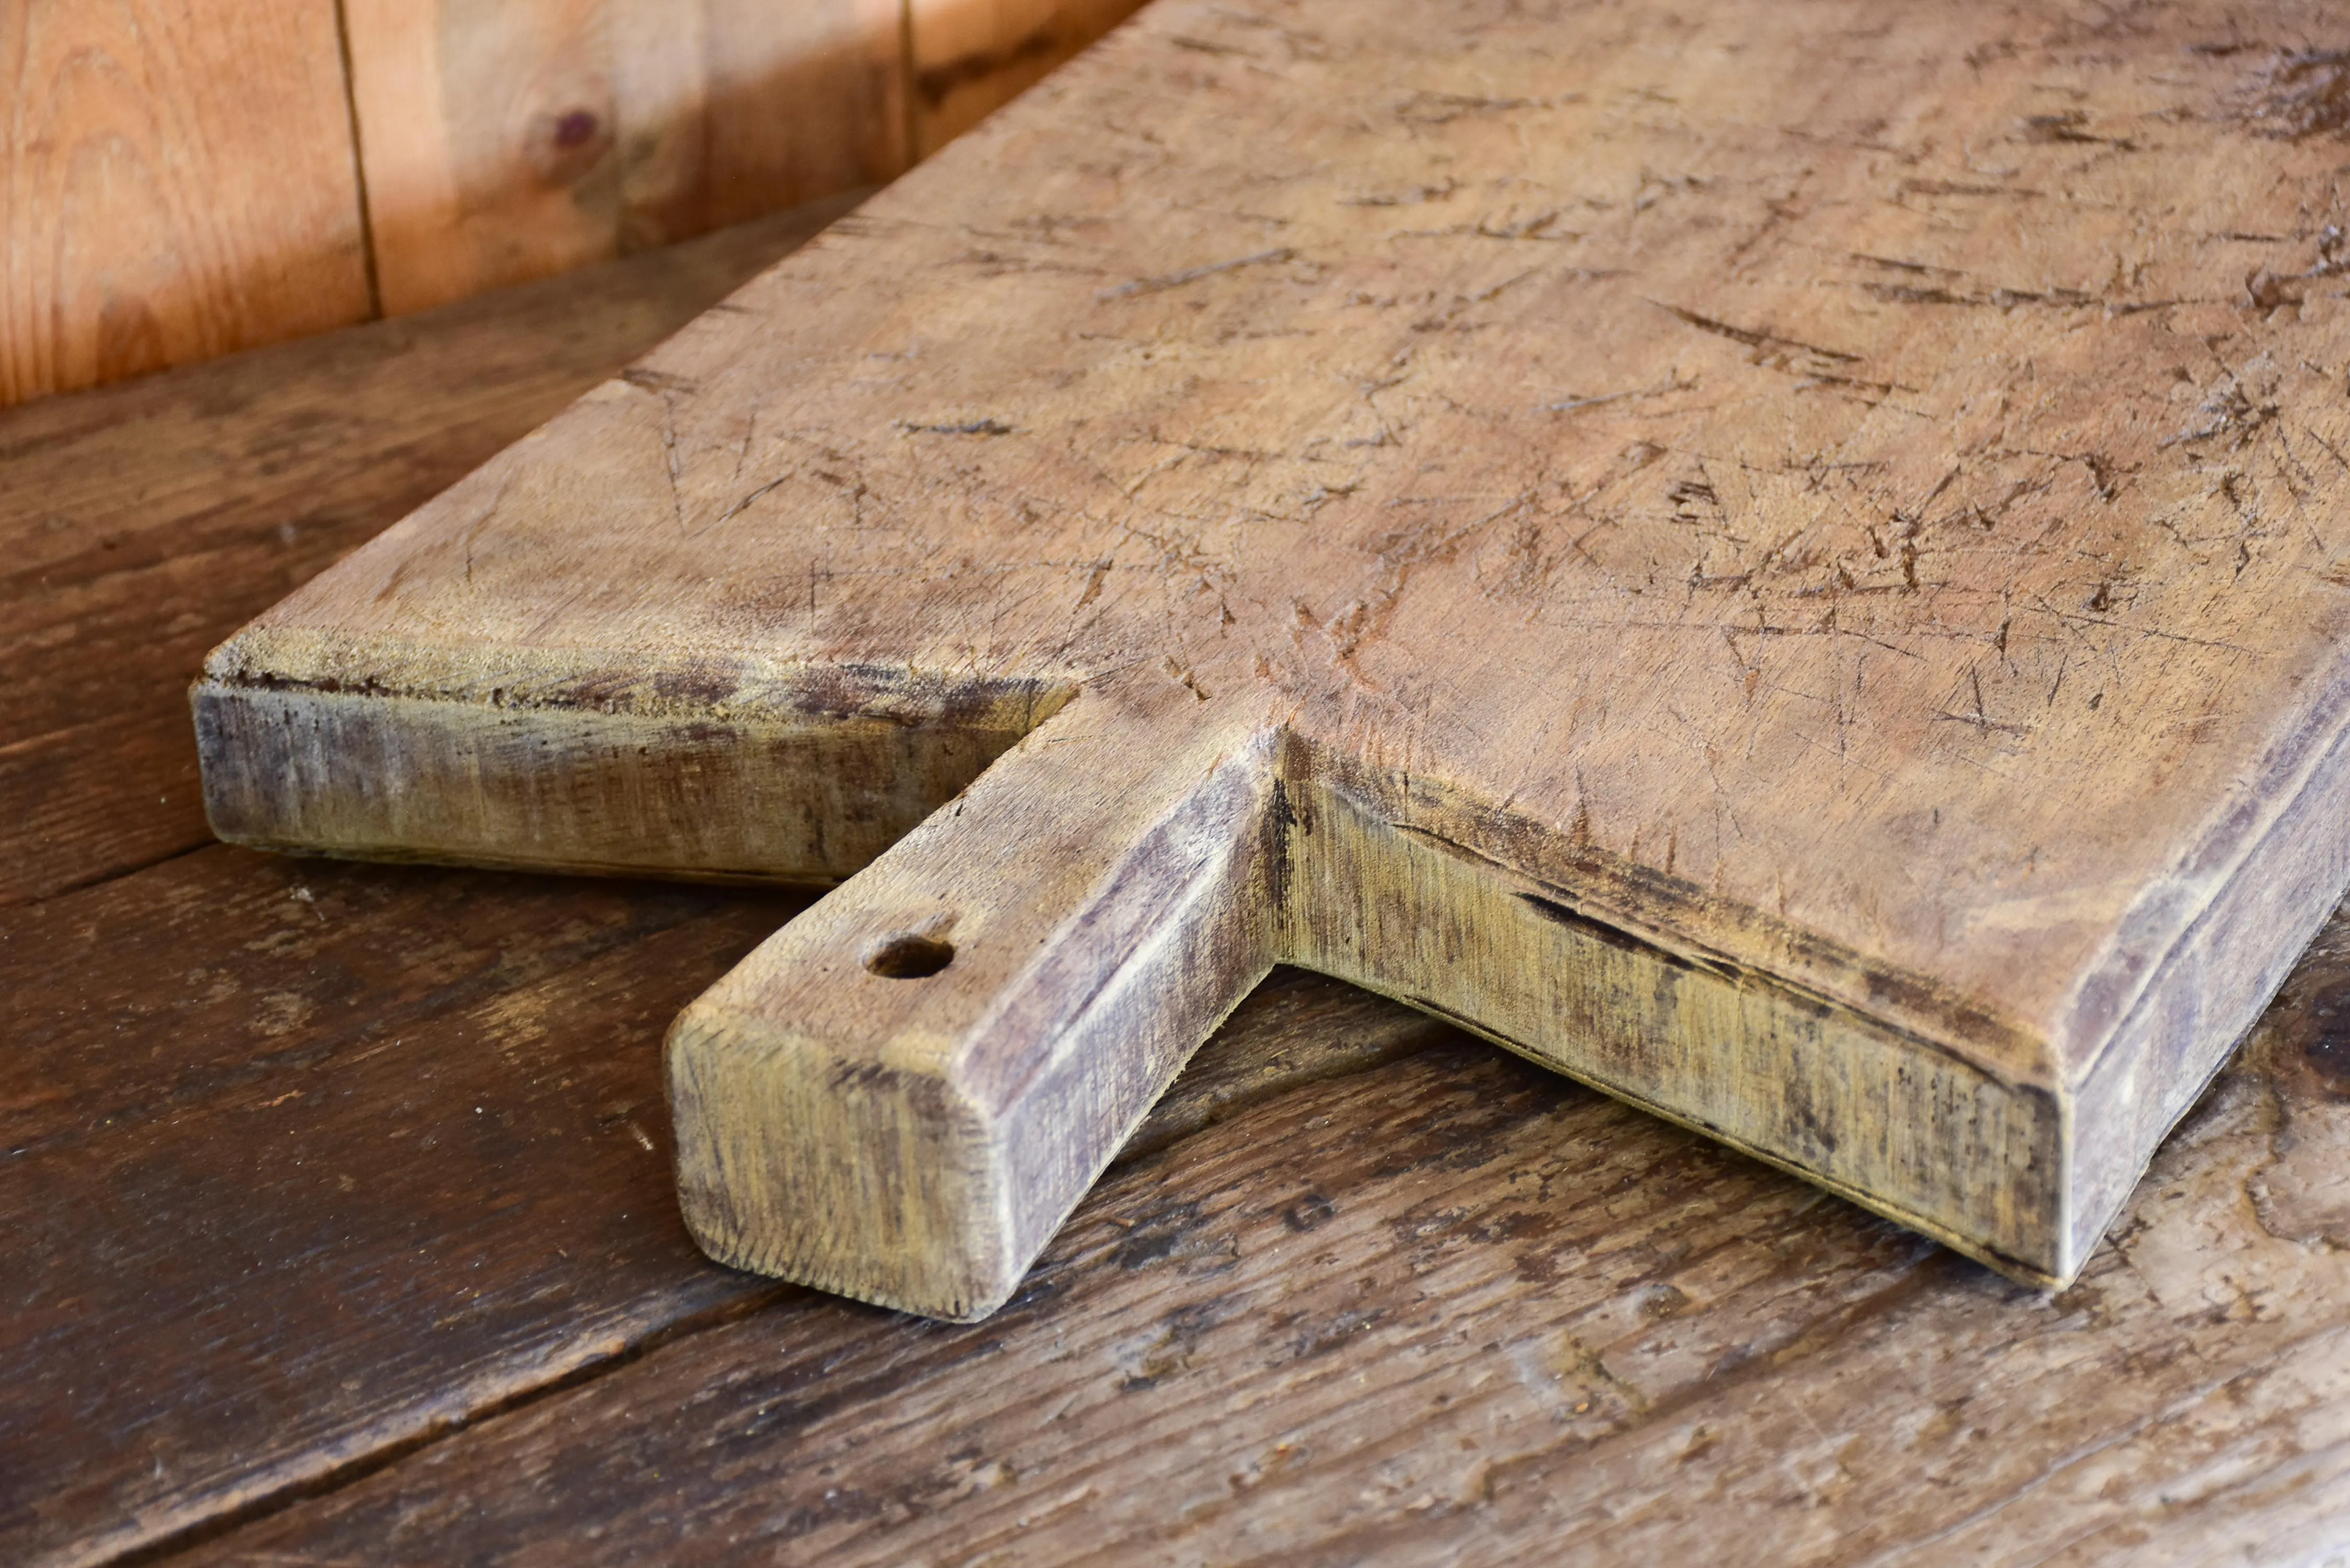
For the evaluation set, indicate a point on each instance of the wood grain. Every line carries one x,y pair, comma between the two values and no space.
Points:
303,1166
1824,632
1354,1325
971,58
317,1162
923,1076
1459,1310
140,523
155,207
511,141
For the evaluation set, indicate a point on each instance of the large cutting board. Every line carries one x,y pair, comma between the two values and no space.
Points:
1786,560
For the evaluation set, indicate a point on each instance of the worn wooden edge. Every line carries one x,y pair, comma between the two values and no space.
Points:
801,1161
1874,1114
1646,991
759,795
722,684
1769,1067
449,698
1922,1220
1765,1066
2217,945
1678,918
2262,826
912,1131
2213,982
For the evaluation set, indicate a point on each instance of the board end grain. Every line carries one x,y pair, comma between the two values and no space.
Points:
900,1096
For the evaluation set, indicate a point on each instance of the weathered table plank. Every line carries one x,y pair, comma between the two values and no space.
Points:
326,1161
303,1164
1460,1310
142,523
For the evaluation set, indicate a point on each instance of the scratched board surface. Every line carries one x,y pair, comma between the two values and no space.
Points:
1849,488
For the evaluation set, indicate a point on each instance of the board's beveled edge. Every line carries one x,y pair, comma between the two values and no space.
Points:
646,681
2213,981
227,712
1878,1112
2250,830
525,761
1681,919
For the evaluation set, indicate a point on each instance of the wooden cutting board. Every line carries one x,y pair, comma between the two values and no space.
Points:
1787,561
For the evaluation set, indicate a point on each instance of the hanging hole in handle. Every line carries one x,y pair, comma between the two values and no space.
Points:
908,955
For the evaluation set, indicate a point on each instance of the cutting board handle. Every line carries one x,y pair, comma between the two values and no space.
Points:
901,1095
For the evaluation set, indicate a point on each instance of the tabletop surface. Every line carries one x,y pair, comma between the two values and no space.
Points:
340,1226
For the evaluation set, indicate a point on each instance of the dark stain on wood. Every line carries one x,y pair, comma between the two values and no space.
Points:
2302,94
935,83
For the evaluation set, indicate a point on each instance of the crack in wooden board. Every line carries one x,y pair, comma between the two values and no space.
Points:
1845,501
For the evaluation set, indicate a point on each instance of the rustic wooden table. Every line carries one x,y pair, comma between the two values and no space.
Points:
340,1228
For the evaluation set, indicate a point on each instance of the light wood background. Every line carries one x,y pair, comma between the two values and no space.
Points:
181,179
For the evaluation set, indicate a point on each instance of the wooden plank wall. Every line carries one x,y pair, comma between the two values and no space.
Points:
155,208
181,179
969,57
